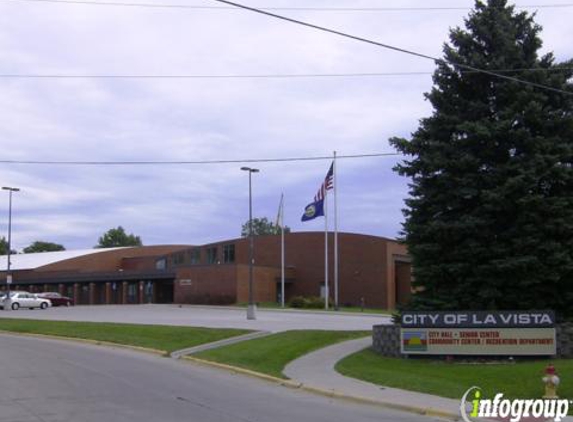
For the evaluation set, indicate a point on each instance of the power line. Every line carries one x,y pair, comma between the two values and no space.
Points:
196,162
252,76
391,47
339,33
345,35
229,76
261,76
304,9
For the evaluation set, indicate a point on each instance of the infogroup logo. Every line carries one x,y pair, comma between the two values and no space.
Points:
515,410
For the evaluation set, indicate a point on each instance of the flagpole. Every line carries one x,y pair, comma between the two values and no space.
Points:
326,293
335,183
282,252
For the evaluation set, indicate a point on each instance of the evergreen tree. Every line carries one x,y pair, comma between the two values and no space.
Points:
489,221
4,247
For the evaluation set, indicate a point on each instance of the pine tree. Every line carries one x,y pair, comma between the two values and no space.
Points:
489,221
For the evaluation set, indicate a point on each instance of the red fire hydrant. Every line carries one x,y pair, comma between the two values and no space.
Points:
551,381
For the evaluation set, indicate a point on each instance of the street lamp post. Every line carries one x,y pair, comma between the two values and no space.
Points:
251,309
9,252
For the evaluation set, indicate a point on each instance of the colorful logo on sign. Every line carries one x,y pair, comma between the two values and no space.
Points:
415,341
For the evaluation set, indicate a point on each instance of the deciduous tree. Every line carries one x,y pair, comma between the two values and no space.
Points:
40,246
117,238
262,226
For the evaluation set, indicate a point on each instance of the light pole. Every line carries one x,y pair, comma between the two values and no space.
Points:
8,275
251,309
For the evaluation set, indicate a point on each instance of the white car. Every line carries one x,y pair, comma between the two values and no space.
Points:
26,300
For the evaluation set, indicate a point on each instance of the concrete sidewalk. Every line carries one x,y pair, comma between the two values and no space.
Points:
221,343
317,370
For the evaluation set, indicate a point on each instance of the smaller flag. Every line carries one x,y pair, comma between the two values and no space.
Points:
279,221
313,210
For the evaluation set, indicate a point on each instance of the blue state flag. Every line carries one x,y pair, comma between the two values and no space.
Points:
313,210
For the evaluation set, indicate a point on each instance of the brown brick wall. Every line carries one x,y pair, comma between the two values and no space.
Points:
370,267
209,284
264,283
395,254
366,264
109,260
146,263
403,283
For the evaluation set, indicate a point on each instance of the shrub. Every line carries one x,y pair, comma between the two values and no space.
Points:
312,302
297,302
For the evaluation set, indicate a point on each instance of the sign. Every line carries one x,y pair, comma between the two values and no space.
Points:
9,279
479,319
509,333
185,281
471,341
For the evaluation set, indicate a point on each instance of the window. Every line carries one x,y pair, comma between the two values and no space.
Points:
212,255
132,293
178,258
195,256
160,264
228,254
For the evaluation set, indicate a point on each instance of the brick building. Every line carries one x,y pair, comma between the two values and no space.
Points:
374,268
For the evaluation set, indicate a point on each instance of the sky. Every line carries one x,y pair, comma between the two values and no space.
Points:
194,119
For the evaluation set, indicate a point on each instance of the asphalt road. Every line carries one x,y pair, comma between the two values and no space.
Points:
50,380
204,316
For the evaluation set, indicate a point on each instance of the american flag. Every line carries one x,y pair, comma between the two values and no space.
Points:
328,184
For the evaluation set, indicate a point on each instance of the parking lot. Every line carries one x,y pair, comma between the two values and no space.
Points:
205,316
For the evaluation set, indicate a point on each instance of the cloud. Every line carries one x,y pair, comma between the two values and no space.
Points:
208,119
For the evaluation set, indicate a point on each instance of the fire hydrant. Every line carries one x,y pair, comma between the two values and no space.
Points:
551,381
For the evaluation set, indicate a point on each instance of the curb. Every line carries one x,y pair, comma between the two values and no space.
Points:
425,411
243,371
149,350
431,412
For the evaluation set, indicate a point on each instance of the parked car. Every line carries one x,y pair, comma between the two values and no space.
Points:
57,299
28,300
3,298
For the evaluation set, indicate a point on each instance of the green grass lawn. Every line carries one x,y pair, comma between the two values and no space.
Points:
519,380
271,354
159,337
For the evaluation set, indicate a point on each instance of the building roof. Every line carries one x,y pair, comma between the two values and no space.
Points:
30,261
